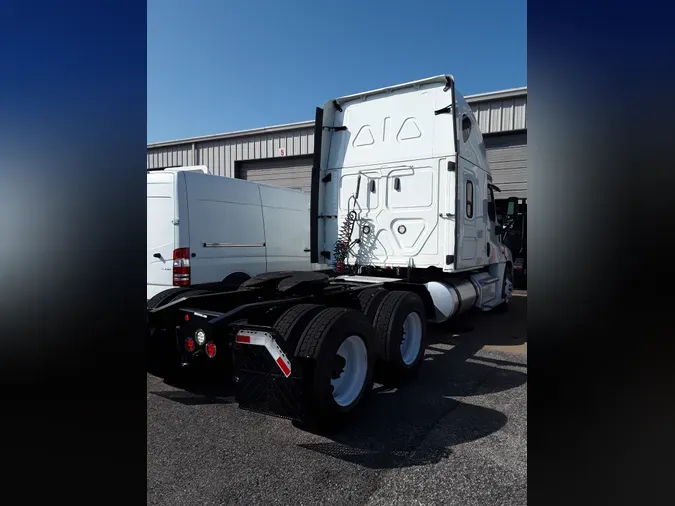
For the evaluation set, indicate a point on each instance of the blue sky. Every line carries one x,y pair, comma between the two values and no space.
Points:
222,65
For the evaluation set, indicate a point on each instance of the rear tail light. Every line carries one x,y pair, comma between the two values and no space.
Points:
210,350
190,344
181,267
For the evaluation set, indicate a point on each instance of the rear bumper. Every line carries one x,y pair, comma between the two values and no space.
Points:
198,359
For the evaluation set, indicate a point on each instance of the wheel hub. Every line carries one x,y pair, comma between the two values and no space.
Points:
411,340
339,363
348,374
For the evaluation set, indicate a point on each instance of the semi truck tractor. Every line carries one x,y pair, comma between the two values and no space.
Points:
403,232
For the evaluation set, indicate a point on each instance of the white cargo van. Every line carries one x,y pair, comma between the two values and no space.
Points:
205,229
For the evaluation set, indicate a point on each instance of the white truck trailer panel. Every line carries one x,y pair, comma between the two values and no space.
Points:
423,172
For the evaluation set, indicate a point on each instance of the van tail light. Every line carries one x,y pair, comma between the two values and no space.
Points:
181,267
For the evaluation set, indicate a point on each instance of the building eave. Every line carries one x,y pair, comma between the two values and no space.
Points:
471,99
497,95
238,133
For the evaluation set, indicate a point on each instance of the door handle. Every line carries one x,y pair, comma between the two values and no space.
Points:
157,255
307,250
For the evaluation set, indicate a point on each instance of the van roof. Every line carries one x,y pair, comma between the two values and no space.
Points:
170,173
190,168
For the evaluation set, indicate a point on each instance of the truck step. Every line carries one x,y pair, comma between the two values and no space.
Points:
487,281
488,290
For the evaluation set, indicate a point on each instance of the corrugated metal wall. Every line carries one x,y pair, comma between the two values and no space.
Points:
499,113
503,115
170,156
219,155
507,156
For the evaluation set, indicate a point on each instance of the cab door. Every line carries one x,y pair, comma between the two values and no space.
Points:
467,240
472,221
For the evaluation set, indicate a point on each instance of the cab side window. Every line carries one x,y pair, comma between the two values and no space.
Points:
469,199
466,128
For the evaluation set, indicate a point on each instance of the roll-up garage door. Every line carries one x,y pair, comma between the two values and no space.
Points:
507,156
292,172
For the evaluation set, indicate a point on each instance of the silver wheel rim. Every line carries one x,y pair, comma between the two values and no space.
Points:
412,338
347,387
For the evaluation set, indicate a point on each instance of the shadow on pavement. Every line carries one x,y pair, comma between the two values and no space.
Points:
392,426
394,423
487,328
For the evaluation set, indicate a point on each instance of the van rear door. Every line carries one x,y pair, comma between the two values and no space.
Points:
161,211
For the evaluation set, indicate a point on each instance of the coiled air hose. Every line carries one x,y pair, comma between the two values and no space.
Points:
344,241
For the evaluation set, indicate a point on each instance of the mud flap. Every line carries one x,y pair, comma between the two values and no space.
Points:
268,379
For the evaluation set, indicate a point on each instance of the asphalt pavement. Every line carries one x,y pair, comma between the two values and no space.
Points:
456,436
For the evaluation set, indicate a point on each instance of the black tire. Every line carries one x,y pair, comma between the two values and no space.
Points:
520,278
166,296
172,294
293,322
370,299
192,293
233,281
319,343
504,306
388,323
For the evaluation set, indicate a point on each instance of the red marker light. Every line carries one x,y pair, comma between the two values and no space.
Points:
190,344
187,317
244,339
210,350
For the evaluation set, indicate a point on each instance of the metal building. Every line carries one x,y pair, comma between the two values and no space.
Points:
282,155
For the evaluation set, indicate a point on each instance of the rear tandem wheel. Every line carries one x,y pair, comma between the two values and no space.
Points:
341,345
400,325
293,322
370,299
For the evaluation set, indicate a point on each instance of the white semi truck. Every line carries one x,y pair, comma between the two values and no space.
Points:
403,217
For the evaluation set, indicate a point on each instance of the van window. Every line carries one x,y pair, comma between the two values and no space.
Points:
469,199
